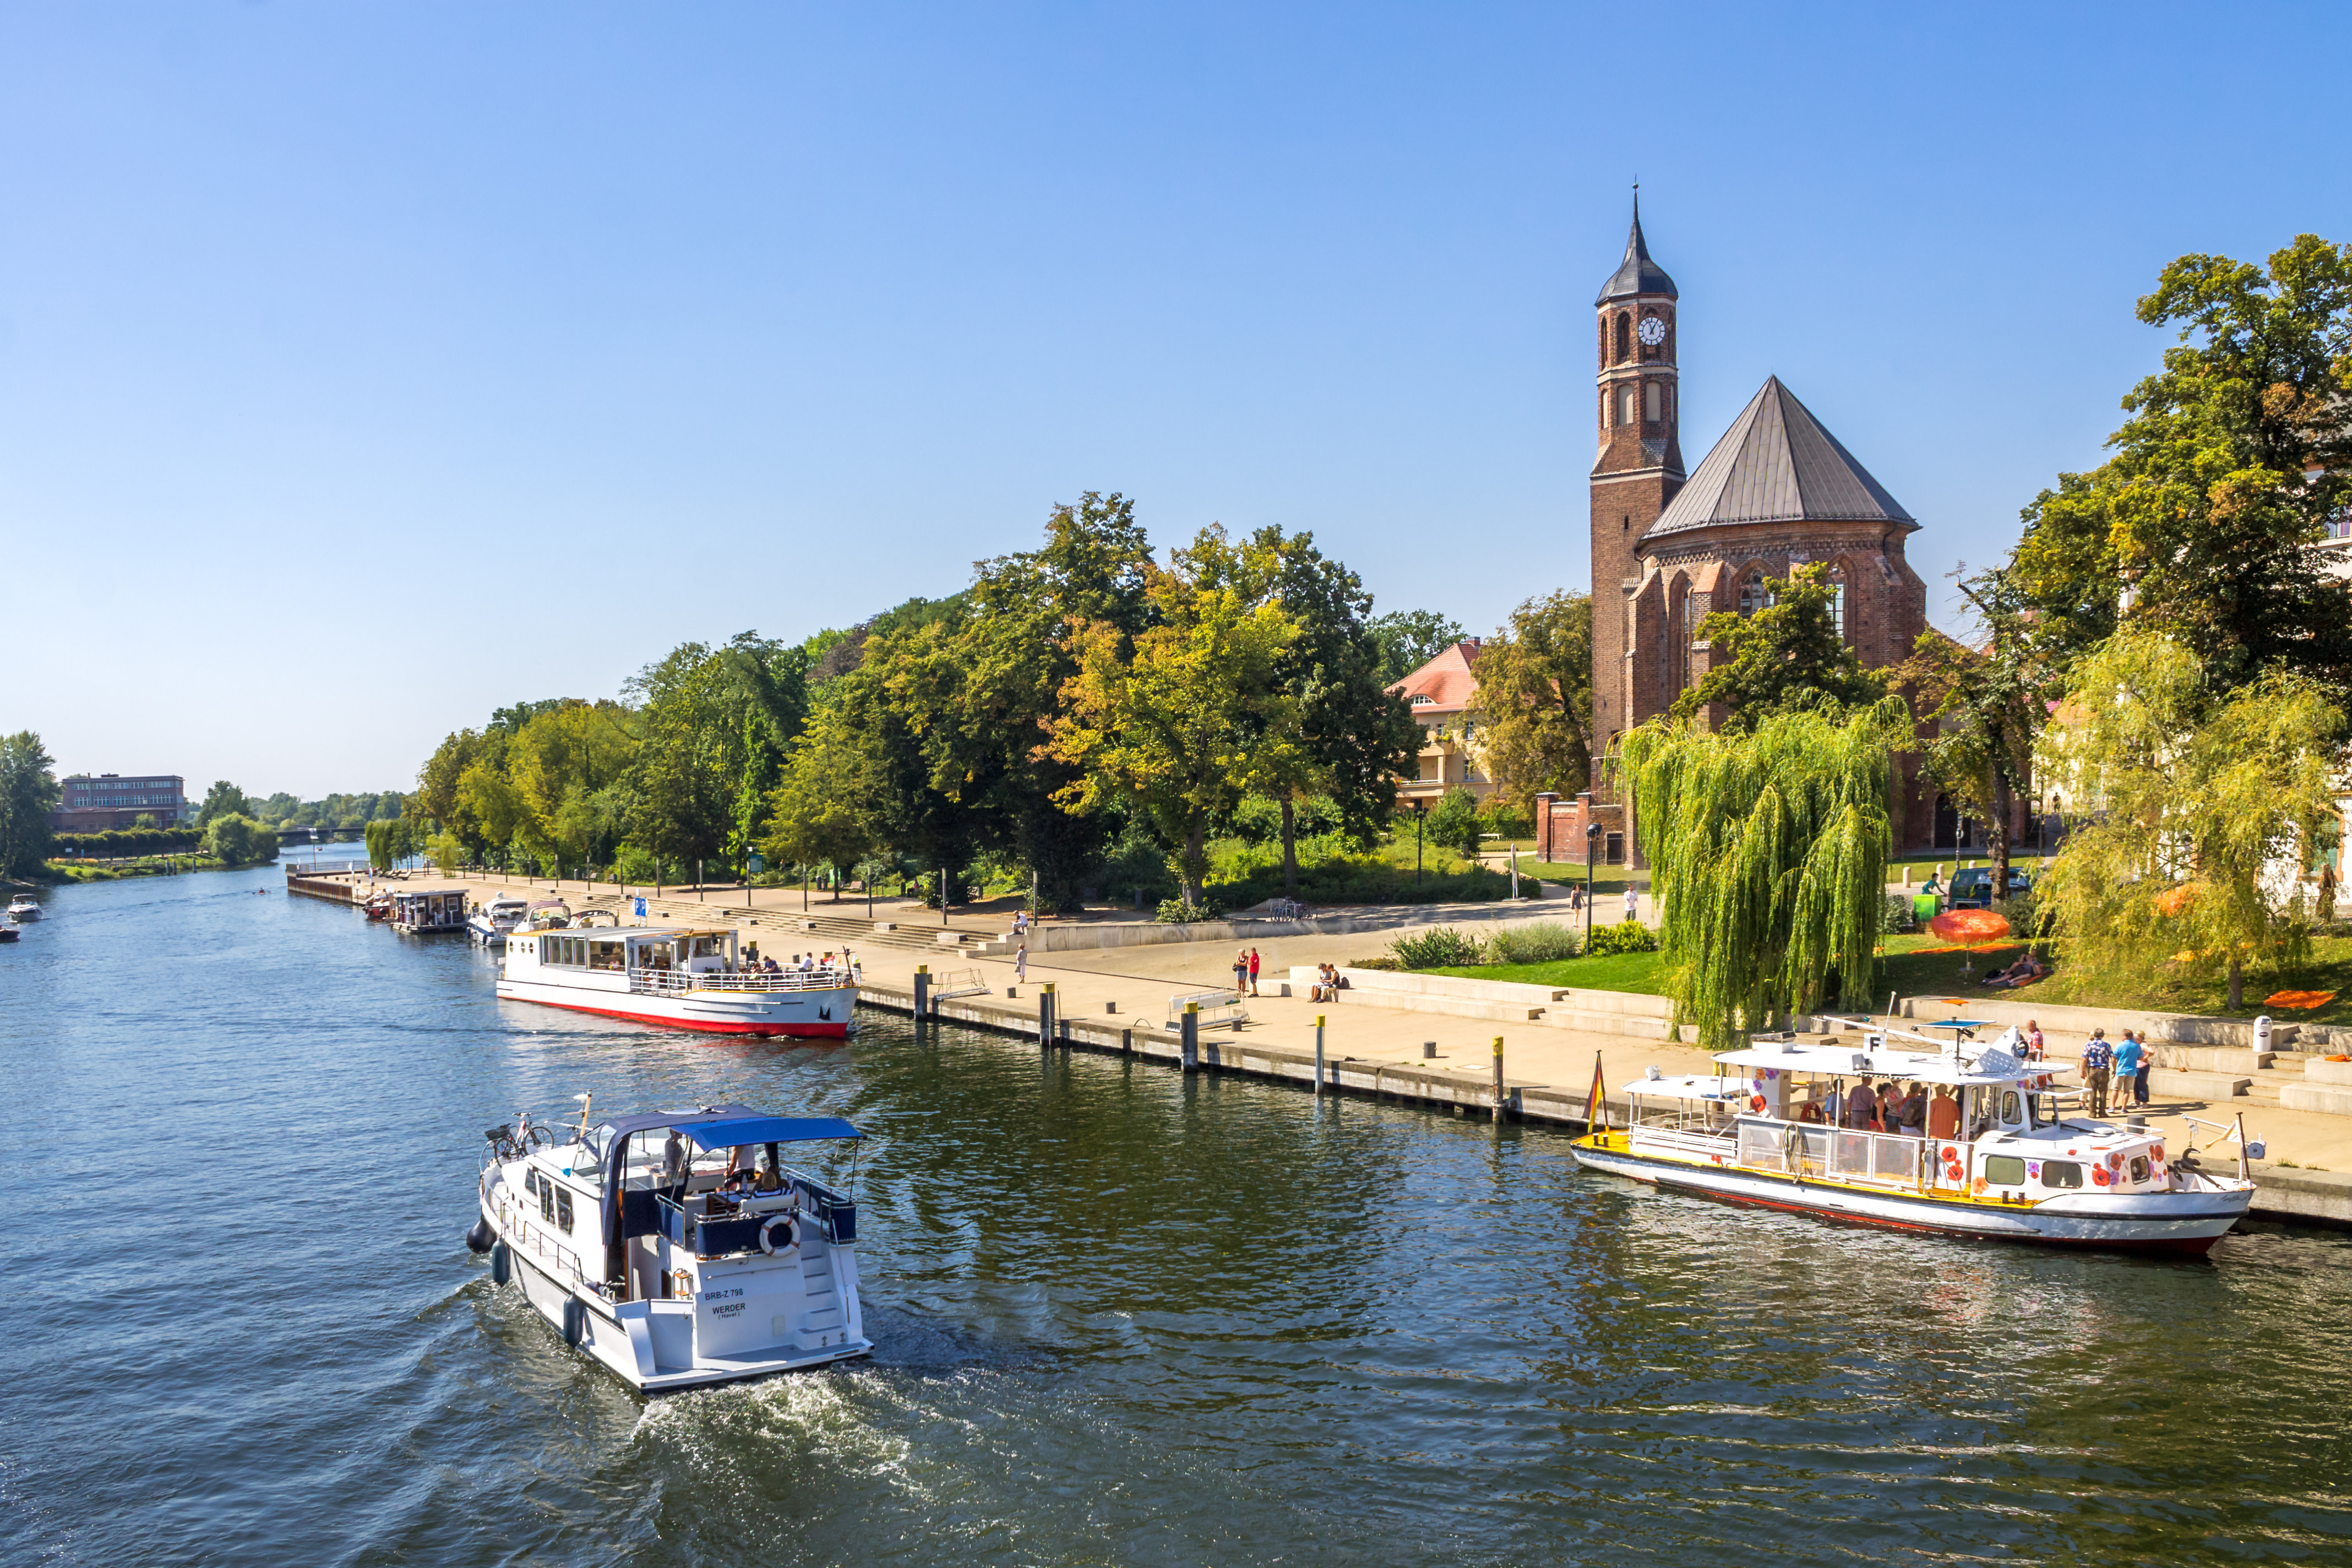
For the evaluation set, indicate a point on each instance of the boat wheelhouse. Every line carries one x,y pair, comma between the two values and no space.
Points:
1995,1154
685,977
495,918
429,909
676,1247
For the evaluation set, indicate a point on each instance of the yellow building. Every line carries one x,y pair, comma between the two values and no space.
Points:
1444,694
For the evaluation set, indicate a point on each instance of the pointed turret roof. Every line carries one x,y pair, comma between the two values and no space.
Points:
1776,464
1637,274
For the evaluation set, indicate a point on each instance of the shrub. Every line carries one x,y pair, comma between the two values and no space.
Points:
1441,948
1385,962
235,839
1626,936
1177,912
1546,942
1900,915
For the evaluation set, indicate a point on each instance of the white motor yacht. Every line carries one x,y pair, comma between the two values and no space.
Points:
23,910
676,1246
493,918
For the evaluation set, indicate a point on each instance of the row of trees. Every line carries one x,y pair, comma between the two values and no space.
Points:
1080,706
2166,657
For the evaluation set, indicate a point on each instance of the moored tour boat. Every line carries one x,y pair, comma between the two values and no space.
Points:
677,1247
1996,1157
23,910
685,977
494,917
419,910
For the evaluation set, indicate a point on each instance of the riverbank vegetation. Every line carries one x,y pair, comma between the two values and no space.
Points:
1200,732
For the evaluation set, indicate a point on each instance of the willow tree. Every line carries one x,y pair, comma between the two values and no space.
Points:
1770,852
2200,807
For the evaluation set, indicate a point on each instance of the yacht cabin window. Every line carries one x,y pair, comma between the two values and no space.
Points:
2060,1174
2004,1171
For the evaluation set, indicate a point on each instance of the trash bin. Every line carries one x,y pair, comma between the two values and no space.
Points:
2263,1033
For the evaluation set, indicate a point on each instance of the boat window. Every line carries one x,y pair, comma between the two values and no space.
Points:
2139,1168
2060,1174
603,955
2012,1109
530,1181
2044,1108
564,1210
547,1200
2004,1170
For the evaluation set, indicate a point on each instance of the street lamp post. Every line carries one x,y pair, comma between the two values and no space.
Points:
1420,811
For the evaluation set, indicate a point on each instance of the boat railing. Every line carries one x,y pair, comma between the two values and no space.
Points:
677,981
1850,1154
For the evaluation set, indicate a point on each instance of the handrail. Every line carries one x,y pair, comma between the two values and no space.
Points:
680,980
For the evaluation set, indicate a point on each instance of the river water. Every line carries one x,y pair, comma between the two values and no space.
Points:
1120,1317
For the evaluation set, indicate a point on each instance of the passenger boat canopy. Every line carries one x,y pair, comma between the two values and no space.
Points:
713,1127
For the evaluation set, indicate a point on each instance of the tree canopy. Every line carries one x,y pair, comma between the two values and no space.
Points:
1535,698
1410,638
1789,655
28,793
2191,805
2205,525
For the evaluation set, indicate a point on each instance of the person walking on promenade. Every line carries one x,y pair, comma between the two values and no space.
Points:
1253,971
1021,964
1632,903
2098,1065
2143,1057
1241,972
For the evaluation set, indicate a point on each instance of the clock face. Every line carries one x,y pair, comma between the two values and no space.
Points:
1652,330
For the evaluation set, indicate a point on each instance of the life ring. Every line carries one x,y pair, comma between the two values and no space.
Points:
768,1234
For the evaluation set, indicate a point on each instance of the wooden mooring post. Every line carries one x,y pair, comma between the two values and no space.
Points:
1498,1078
1046,1015
922,996
1319,1055
1191,1048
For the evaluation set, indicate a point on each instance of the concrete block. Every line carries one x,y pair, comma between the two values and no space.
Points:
2195,1085
2333,1100
2318,1070
2211,1058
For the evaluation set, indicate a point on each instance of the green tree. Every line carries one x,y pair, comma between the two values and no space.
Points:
237,839
223,799
2199,803
1355,736
1411,638
1768,847
813,815
1788,656
1455,823
2206,525
28,793
1989,706
1535,699
1187,718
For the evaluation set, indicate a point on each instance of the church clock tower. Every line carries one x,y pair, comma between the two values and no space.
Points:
1640,466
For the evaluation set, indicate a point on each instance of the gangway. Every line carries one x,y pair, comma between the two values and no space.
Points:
963,983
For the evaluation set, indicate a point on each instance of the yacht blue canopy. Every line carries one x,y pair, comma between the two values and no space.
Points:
738,1130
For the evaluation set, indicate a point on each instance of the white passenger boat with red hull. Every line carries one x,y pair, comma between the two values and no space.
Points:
684,978
1997,1158
677,1248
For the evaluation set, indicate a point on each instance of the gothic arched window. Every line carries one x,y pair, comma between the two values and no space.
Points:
1624,336
1753,596
1625,406
1837,602
1694,607
1654,396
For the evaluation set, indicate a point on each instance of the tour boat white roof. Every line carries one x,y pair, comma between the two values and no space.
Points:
1687,1087
1989,1066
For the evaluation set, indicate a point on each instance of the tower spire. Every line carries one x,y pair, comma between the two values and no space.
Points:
1637,274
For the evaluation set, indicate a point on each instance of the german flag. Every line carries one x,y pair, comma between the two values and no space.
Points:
1592,1101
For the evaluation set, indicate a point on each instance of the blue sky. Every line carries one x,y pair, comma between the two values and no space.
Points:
555,335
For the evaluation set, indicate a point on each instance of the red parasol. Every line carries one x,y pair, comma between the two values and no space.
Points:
1969,926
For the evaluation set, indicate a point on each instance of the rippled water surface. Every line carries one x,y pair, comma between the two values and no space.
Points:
1120,1317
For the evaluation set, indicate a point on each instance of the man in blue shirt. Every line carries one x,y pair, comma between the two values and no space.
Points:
2098,1064
2131,1066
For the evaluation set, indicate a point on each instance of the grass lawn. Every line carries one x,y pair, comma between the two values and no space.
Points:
1605,879
1636,972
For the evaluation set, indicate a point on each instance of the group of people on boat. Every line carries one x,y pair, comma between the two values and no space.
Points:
743,1179
1888,1108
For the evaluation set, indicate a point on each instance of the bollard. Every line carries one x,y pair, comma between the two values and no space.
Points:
1191,1049
1498,1078
1318,1055
1045,1014
1428,1051
922,994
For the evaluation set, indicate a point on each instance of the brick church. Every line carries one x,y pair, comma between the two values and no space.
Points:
1672,545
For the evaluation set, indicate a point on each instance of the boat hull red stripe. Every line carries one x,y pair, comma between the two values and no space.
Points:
797,1031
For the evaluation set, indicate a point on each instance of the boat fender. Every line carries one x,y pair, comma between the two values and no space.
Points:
481,1238
501,1263
768,1234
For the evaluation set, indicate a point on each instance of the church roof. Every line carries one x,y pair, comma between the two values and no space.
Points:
1637,274
1776,464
